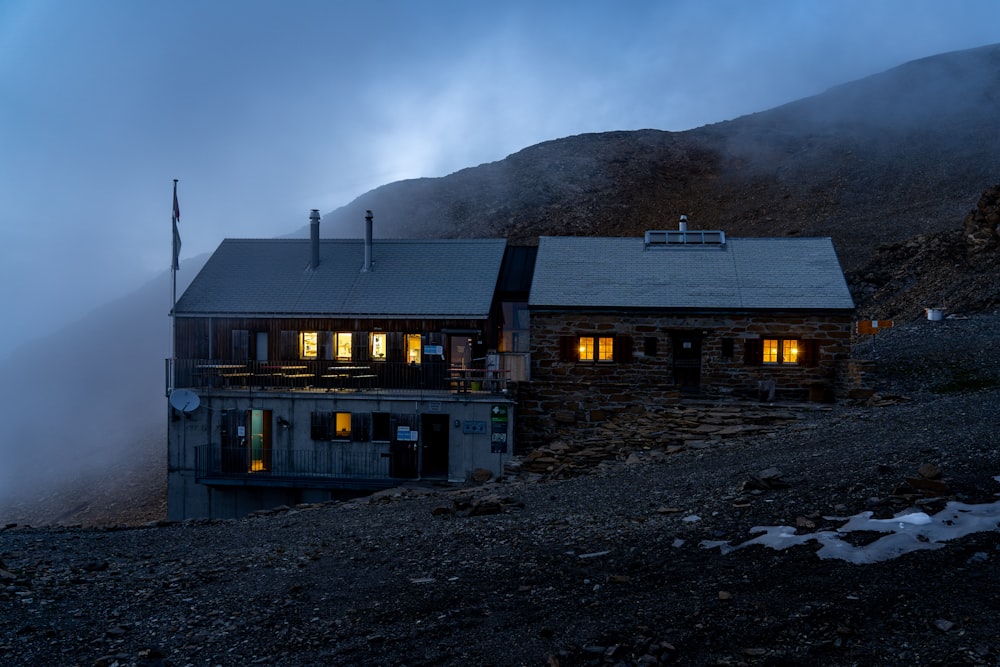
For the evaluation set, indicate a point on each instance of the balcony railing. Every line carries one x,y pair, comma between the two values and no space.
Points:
328,466
327,375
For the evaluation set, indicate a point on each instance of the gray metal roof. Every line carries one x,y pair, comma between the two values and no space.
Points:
409,278
743,273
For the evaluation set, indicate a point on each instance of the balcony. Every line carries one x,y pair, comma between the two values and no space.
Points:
329,466
331,376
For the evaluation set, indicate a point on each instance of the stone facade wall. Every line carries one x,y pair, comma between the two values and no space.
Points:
562,392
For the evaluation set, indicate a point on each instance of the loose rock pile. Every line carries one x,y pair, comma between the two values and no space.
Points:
660,431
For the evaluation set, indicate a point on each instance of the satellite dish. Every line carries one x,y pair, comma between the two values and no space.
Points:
184,400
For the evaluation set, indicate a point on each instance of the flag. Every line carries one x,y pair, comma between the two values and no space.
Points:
177,235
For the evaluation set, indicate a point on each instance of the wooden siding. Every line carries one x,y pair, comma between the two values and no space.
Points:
213,337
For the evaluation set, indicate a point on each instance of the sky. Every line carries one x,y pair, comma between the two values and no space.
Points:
265,109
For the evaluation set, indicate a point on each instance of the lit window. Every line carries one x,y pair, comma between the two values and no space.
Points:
780,351
343,346
413,348
378,346
308,344
343,424
604,348
327,426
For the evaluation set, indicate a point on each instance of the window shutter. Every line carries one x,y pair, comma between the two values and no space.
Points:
360,426
649,346
753,352
325,345
810,352
622,350
241,345
289,345
322,426
359,345
394,347
569,348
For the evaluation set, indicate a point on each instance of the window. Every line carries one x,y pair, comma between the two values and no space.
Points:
343,345
516,323
381,427
331,425
377,343
343,425
727,348
309,344
413,348
782,351
605,349
600,348
790,351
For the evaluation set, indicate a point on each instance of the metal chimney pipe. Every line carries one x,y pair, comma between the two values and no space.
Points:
683,226
314,238
368,241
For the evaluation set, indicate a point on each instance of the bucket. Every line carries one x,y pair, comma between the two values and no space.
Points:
934,314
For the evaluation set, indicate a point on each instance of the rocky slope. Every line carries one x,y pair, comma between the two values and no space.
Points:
620,565
955,270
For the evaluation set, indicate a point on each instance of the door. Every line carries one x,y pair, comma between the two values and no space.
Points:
687,360
403,446
434,445
460,352
259,440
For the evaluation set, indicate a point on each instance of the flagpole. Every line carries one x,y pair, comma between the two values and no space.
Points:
175,215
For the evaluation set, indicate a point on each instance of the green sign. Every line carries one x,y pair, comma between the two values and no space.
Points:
498,430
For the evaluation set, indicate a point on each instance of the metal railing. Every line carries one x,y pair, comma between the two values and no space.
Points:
327,375
329,465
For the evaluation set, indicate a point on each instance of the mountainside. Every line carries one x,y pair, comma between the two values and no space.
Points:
889,167
875,161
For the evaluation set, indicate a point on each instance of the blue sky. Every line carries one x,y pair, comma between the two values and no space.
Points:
264,109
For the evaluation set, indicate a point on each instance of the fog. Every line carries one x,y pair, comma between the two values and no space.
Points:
264,110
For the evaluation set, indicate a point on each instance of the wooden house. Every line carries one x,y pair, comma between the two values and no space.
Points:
303,368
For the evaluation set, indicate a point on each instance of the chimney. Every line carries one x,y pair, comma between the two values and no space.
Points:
683,226
314,237
368,242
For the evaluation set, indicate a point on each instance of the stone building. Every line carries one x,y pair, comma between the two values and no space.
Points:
622,322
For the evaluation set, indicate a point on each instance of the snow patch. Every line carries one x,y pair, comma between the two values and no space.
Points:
907,531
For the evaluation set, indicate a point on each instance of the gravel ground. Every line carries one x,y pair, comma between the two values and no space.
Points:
608,568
